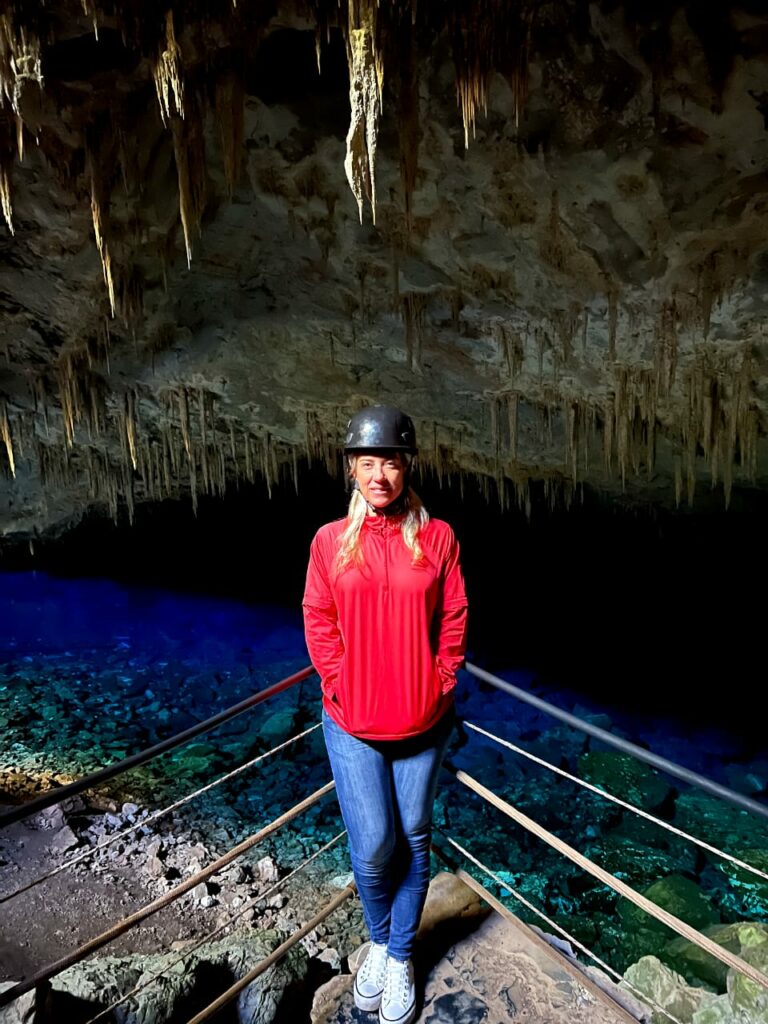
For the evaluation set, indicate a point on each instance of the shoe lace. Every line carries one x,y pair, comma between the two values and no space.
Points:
375,964
397,982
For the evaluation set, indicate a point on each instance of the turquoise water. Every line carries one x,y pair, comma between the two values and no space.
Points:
92,671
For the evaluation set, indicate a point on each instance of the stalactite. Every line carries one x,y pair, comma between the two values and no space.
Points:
608,430
203,438
89,10
665,347
248,454
493,406
542,344
128,493
169,83
512,418
552,247
129,298
142,466
232,443
584,331
490,34
623,416
413,308
613,321
20,62
184,420
566,323
510,345
570,424
5,195
5,433
189,151
193,480
408,115
101,244
131,425
366,78
230,109
166,457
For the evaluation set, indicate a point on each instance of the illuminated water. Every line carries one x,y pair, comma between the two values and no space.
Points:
92,671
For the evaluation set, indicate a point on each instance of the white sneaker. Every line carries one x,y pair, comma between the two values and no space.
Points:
398,1001
369,980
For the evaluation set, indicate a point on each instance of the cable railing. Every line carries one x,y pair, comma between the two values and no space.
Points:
673,922
609,1000
144,823
42,977
55,796
146,982
107,936
676,770
680,833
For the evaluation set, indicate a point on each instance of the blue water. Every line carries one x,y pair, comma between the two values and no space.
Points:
93,670
40,613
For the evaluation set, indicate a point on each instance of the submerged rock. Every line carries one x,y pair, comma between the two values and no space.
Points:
743,1002
667,989
625,777
698,966
676,894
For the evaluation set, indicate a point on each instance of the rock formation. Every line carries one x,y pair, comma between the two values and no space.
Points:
540,228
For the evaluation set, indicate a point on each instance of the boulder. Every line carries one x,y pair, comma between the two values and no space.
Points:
21,1010
84,989
667,989
677,895
624,776
699,967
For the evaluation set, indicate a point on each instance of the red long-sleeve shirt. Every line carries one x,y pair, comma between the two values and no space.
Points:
386,637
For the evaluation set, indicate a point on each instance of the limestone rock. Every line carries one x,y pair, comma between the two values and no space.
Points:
667,989
185,988
21,1010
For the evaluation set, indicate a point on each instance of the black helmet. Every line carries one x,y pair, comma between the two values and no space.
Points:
380,426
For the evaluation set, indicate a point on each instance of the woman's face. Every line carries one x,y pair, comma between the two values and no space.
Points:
380,477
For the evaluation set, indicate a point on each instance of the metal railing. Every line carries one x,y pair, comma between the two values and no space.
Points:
43,976
676,770
55,796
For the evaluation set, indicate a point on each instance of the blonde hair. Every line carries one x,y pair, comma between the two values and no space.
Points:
350,549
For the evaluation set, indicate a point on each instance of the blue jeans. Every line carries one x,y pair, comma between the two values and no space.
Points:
386,790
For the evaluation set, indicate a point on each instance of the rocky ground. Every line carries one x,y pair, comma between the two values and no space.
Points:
52,918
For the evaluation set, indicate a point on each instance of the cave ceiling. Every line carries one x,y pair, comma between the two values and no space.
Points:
538,227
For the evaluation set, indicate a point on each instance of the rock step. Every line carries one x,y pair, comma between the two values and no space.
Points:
474,966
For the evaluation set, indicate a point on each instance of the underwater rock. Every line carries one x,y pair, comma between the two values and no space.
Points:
630,933
747,998
744,1002
667,988
676,894
275,728
625,777
719,822
740,892
748,939
88,987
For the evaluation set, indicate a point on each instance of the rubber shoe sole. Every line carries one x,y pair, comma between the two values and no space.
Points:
368,1003
406,1018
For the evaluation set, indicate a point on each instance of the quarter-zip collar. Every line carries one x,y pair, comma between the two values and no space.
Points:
383,524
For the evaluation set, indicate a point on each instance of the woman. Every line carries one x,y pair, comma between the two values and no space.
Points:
385,618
